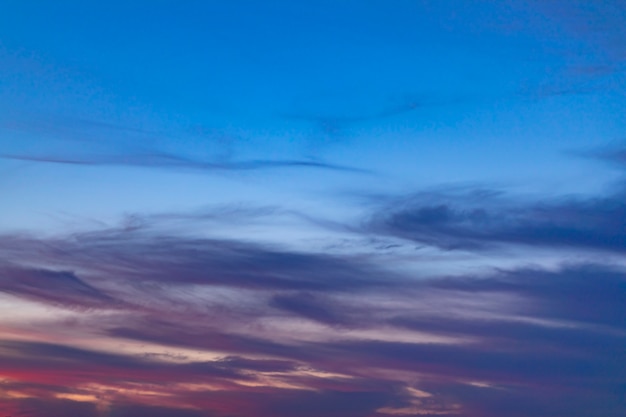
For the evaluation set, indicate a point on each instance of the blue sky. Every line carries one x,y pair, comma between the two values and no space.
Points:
315,200
418,94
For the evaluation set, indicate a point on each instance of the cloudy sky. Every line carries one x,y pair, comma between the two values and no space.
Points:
328,208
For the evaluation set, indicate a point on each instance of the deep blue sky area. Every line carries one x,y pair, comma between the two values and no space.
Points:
313,208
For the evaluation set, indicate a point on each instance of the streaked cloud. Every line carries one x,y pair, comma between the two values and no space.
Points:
482,219
560,334
169,161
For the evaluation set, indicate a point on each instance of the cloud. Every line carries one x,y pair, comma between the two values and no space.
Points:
55,287
61,364
144,256
330,403
110,144
260,365
134,410
208,338
520,401
517,334
584,293
309,306
215,327
568,340
38,407
486,220
614,154
618,156
171,161
122,380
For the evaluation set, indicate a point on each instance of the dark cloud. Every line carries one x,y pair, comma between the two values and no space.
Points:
38,407
134,410
309,306
519,335
51,407
614,154
523,401
617,155
53,353
356,402
54,287
478,221
330,403
477,362
584,293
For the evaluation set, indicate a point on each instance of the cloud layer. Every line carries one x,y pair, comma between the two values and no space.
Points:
215,327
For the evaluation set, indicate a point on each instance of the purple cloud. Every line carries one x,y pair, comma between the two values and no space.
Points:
293,333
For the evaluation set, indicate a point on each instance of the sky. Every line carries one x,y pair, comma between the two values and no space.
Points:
348,208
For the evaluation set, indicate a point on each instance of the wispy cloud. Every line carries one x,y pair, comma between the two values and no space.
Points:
290,333
50,286
171,161
331,125
110,144
484,220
